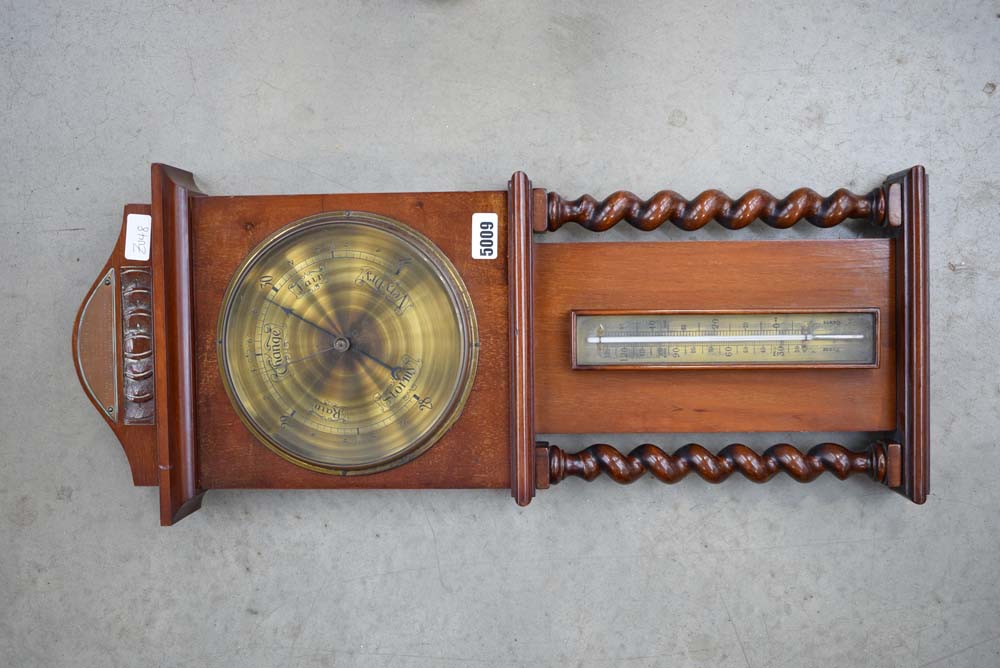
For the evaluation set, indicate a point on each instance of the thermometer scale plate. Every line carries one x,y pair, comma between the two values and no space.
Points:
778,338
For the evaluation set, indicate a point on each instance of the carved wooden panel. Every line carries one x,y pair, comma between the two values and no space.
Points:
137,345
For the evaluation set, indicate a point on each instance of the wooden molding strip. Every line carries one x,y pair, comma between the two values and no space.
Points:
519,279
907,191
173,329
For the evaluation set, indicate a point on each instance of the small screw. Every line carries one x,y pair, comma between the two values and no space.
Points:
107,281
110,409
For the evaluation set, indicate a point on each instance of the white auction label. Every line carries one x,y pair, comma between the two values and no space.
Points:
138,230
485,228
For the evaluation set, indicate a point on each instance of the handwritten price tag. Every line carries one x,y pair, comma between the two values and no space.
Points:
138,230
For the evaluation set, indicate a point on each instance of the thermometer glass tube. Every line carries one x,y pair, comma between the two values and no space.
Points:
747,339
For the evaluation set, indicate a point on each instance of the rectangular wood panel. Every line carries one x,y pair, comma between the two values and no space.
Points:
474,453
827,274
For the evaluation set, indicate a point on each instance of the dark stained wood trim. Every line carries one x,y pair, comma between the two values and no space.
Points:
542,473
520,260
715,468
893,464
912,367
733,214
539,210
173,340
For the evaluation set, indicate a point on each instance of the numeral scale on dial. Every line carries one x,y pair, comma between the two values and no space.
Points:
418,340
275,358
349,333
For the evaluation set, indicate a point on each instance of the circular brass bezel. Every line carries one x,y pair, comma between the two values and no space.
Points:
457,292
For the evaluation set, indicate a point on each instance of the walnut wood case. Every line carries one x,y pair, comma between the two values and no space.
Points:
145,349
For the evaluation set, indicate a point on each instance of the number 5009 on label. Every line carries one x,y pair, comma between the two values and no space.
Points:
485,229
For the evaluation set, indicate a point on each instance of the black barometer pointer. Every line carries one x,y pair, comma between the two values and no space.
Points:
341,343
289,311
394,370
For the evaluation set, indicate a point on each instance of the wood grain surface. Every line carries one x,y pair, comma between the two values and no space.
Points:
474,453
520,275
828,274
912,429
174,326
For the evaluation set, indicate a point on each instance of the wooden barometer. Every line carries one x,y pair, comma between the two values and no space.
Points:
422,340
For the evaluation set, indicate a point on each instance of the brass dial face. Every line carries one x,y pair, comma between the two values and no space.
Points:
347,343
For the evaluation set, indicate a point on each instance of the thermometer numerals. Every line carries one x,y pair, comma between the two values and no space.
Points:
694,339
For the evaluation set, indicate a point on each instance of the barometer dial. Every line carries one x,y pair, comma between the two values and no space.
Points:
347,343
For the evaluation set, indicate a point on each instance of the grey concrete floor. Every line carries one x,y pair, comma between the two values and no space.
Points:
586,97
